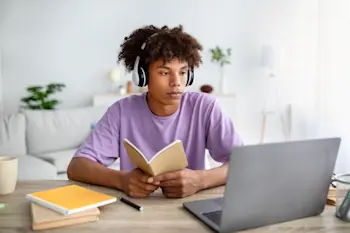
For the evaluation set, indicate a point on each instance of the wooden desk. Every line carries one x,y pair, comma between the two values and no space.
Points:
159,215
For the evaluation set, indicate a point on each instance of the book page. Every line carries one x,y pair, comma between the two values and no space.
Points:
41,214
62,223
171,158
136,157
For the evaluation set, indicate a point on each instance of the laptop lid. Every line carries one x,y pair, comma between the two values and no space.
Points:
277,182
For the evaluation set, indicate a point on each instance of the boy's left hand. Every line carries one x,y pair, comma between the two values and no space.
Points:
180,183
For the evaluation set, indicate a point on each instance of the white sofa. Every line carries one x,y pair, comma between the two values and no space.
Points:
45,141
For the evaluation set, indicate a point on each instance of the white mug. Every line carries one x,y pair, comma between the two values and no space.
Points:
8,174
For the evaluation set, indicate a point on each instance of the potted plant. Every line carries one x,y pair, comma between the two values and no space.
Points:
221,57
40,97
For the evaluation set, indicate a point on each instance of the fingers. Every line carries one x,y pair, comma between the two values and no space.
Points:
144,177
172,183
141,185
173,195
141,176
169,176
145,187
140,180
174,192
137,192
174,189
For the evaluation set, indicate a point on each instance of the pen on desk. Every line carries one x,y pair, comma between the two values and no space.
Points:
140,208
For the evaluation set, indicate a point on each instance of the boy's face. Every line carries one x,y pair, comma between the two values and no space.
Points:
167,80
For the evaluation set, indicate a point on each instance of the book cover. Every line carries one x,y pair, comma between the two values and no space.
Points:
170,158
44,218
70,199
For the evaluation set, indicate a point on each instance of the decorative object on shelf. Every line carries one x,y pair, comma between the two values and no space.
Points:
206,88
221,57
143,89
271,105
39,97
129,87
114,77
267,60
121,90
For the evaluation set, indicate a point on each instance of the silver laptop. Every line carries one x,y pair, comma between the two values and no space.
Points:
271,183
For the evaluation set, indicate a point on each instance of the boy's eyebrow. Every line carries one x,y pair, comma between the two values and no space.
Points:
164,67
167,67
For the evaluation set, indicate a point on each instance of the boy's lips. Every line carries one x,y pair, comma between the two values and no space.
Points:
175,94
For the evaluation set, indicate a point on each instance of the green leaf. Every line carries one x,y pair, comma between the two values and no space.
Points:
34,89
219,56
39,98
50,104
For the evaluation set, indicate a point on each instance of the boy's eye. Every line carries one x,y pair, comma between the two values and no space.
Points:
164,73
183,72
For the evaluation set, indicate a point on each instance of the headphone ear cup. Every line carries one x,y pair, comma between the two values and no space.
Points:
190,78
142,77
135,78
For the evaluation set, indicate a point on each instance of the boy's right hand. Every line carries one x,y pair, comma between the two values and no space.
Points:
138,184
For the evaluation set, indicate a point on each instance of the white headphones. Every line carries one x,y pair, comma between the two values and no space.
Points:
139,76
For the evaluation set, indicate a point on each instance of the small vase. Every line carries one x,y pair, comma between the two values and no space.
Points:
222,80
129,87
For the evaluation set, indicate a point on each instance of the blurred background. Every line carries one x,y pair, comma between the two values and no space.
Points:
287,75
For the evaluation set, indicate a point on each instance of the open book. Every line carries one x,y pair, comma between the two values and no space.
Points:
170,158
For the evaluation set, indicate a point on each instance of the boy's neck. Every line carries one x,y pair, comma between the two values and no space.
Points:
159,109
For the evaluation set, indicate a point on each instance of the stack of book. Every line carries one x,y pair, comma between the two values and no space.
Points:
66,206
332,196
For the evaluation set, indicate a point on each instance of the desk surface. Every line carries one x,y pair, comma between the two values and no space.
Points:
160,214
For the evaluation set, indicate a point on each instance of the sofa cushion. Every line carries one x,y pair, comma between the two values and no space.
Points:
54,130
59,159
12,135
32,168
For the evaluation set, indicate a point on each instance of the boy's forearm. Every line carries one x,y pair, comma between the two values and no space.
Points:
214,177
87,171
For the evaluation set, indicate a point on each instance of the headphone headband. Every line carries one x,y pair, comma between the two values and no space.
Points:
139,76
143,46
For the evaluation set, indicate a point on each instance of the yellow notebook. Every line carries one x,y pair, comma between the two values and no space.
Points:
170,158
70,199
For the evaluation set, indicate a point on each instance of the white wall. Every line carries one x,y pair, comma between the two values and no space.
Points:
3,10
291,28
76,42
334,75
1,91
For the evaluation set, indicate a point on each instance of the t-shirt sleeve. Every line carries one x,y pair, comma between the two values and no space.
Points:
102,144
221,136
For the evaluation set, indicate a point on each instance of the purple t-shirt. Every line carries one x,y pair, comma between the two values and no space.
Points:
199,123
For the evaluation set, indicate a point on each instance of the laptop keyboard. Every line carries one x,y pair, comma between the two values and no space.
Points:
214,216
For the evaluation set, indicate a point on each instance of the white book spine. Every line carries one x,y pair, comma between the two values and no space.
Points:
63,210
47,204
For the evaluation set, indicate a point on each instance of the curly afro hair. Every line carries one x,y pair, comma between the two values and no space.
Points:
166,44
